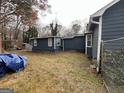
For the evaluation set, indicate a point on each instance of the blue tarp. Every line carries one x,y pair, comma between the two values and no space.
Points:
11,62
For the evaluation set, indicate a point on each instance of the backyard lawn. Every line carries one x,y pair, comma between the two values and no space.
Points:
63,72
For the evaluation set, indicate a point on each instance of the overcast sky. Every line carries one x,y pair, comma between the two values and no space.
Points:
68,10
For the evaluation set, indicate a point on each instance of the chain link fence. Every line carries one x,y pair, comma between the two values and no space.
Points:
112,67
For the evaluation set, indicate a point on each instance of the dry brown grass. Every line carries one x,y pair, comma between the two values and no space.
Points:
64,72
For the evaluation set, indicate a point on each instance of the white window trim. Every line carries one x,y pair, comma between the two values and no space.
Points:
35,42
50,42
87,40
58,42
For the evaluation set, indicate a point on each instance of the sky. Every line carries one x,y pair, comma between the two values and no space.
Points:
67,11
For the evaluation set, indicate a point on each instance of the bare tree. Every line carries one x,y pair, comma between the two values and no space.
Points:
76,27
16,14
54,29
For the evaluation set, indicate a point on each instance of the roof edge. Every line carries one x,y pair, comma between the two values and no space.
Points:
102,10
46,37
71,37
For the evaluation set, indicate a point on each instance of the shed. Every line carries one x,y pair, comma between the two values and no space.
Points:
51,43
74,43
106,24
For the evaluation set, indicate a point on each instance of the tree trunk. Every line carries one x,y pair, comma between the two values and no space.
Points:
16,28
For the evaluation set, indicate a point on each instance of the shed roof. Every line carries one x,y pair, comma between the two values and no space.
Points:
46,37
102,10
71,37
99,13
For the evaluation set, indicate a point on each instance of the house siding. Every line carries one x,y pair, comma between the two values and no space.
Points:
89,52
113,28
42,45
113,24
76,43
95,43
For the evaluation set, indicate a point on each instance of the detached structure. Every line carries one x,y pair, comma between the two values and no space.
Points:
54,43
74,43
51,43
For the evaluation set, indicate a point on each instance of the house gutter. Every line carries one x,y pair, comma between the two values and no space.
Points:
99,40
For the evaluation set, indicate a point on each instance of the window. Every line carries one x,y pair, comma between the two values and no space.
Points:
58,42
49,42
35,42
89,40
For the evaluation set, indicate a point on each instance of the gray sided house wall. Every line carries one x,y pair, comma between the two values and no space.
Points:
89,52
95,43
42,44
76,43
113,23
113,64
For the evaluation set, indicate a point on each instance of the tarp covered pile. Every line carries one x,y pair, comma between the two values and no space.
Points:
11,62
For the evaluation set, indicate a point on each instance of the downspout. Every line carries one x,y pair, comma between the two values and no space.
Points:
99,41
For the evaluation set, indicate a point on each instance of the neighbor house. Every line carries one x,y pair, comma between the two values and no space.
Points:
105,24
51,43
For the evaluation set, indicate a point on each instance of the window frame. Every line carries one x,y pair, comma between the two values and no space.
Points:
89,40
50,42
58,42
35,42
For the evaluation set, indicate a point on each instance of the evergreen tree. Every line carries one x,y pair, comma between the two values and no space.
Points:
31,33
